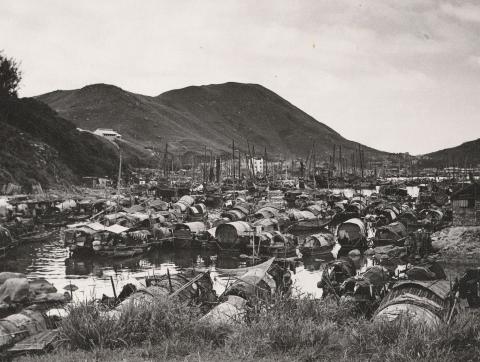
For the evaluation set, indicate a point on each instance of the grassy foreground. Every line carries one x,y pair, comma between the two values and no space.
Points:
294,330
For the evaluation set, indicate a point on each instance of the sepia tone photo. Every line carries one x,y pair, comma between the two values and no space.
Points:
239,180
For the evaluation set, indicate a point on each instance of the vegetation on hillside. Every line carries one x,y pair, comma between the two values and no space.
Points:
39,146
10,76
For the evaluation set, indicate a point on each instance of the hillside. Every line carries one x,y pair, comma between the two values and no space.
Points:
193,117
466,154
39,146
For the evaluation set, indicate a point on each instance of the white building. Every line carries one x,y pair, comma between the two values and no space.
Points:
258,166
107,133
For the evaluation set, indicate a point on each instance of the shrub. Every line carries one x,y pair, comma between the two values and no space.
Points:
304,330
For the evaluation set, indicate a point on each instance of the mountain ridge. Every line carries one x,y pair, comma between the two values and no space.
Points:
464,155
194,116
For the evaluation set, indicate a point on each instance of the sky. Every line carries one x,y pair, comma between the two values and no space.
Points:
399,76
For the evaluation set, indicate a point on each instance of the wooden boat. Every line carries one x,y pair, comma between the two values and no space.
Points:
17,292
197,212
239,212
292,195
189,235
251,282
233,235
120,242
267,212
78,239
77,218
20,226
17,327
111,241
306,221
191,288
394,233
431,218
318,244
352,234
410,221
6,241
174,283
429,302
162,236
468,287
53,218
35,344
36,237
255,283
335,273
275,244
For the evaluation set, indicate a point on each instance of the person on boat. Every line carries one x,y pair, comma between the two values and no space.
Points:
355,259
338,271
422,242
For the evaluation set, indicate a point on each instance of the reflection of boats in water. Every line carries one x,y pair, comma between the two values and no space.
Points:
96,265
124,251
36,236
6,241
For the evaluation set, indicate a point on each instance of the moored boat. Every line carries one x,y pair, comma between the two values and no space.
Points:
428,302
319,244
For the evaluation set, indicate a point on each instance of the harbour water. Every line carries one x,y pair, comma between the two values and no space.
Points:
91,275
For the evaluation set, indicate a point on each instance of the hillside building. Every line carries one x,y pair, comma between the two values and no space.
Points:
466,206
107,133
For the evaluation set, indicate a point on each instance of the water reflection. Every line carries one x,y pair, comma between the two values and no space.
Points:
92,275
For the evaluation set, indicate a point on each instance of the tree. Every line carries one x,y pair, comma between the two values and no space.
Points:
10,76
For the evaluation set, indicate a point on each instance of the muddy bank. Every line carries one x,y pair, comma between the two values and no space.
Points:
458,244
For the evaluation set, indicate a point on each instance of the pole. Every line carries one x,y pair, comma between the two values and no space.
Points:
119,171
314,171
340,159
169,281
165,160
239,163
333,159
113,287
266,164
253,249
233,160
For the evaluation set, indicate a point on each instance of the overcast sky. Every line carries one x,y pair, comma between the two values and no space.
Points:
400,75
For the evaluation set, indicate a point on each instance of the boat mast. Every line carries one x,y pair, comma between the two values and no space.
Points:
233,160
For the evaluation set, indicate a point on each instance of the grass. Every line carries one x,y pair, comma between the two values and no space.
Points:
296,330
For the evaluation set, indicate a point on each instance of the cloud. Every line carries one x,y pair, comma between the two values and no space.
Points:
362,67
463,12
474,60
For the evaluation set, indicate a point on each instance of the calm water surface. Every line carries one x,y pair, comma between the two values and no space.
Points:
91,275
